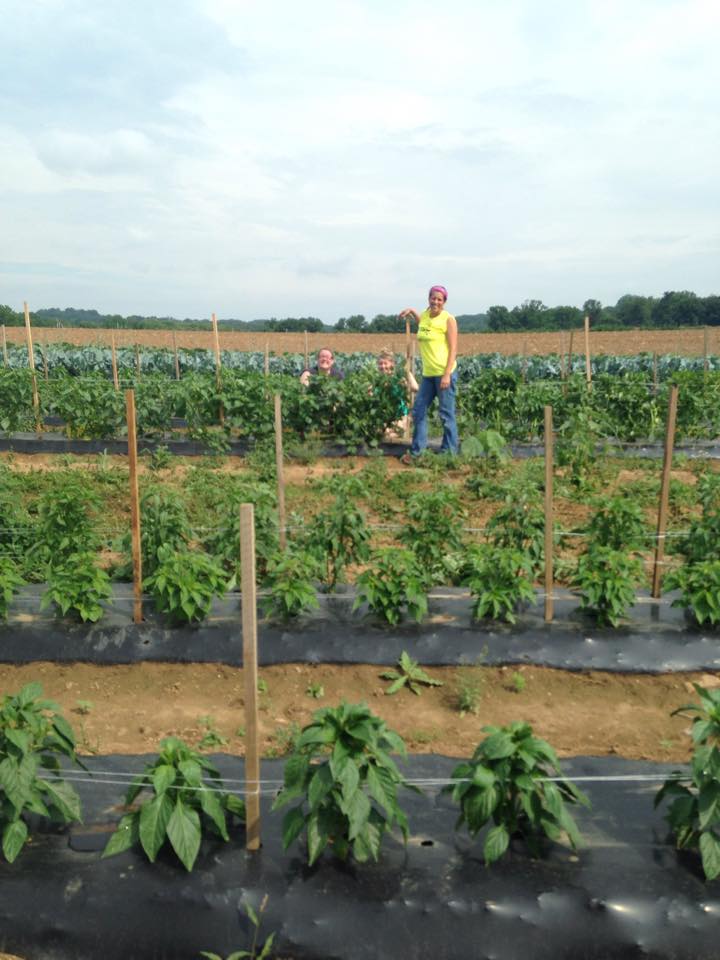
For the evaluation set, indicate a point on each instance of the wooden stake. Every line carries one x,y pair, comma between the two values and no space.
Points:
4,340
266,365
548,514
31,362
570,353
524,360
134,506
138,366
409,366
113,360
44,357
706,362
562,355
588,367
280,472
250,676
655,374
218,368
664,491
307,354
216,341
177,358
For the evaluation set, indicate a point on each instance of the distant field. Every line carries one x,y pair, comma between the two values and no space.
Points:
689,341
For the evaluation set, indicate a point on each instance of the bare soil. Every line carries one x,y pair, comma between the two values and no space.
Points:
690,341
130,708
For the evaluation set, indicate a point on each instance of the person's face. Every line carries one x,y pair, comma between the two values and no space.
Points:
385,365
437,302
324,361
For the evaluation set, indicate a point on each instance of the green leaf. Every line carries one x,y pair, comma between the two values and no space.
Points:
212,808
64,798
496,843
320,785
317,839
709,804
19,738
125,836
498,745
163,776
184,833
397,685
293,826
710,853
13,839
357,809
153,821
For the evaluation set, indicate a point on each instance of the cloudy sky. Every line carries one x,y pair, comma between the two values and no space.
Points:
326,158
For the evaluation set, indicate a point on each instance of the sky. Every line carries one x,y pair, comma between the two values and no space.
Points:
331,158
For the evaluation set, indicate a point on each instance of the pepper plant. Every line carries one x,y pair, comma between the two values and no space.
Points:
408,674
393,585
184,584
514,780
77,586
164,526
694,812
499,578
618,522
338,536
188,796
344,784
699,586
33,734
607,580
433,528
703,537
288,585
65,524
10,582
520,524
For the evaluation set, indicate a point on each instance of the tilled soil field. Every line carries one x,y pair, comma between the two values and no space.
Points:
689,341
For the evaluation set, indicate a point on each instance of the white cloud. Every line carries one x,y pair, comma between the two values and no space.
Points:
114,152
331,158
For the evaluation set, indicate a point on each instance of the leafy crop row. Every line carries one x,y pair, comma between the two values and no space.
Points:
76,361
342,783
362,408
55,540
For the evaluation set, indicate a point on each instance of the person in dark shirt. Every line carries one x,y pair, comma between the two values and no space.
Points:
325,367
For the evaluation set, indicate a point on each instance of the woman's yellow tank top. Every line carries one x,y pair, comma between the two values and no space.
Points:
432,340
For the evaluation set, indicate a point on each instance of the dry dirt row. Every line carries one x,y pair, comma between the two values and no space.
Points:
690,341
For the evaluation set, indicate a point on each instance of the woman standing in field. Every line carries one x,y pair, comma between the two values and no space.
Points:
437,337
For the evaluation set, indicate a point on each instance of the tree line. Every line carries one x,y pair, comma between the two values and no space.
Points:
673,310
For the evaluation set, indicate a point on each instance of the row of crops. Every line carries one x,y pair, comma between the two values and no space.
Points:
341,785
358,410
62,358
64,529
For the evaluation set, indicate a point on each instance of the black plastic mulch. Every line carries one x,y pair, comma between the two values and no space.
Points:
625,894
656,638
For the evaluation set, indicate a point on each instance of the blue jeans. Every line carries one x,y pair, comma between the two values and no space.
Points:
429,389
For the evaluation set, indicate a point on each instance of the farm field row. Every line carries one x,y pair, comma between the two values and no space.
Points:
129,709
116,708
689,342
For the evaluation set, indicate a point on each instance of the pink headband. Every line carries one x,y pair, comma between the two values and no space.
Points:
438,289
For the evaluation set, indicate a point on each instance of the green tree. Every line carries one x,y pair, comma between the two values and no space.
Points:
356,324
593,310
634,311
678,310
563,318
498,319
